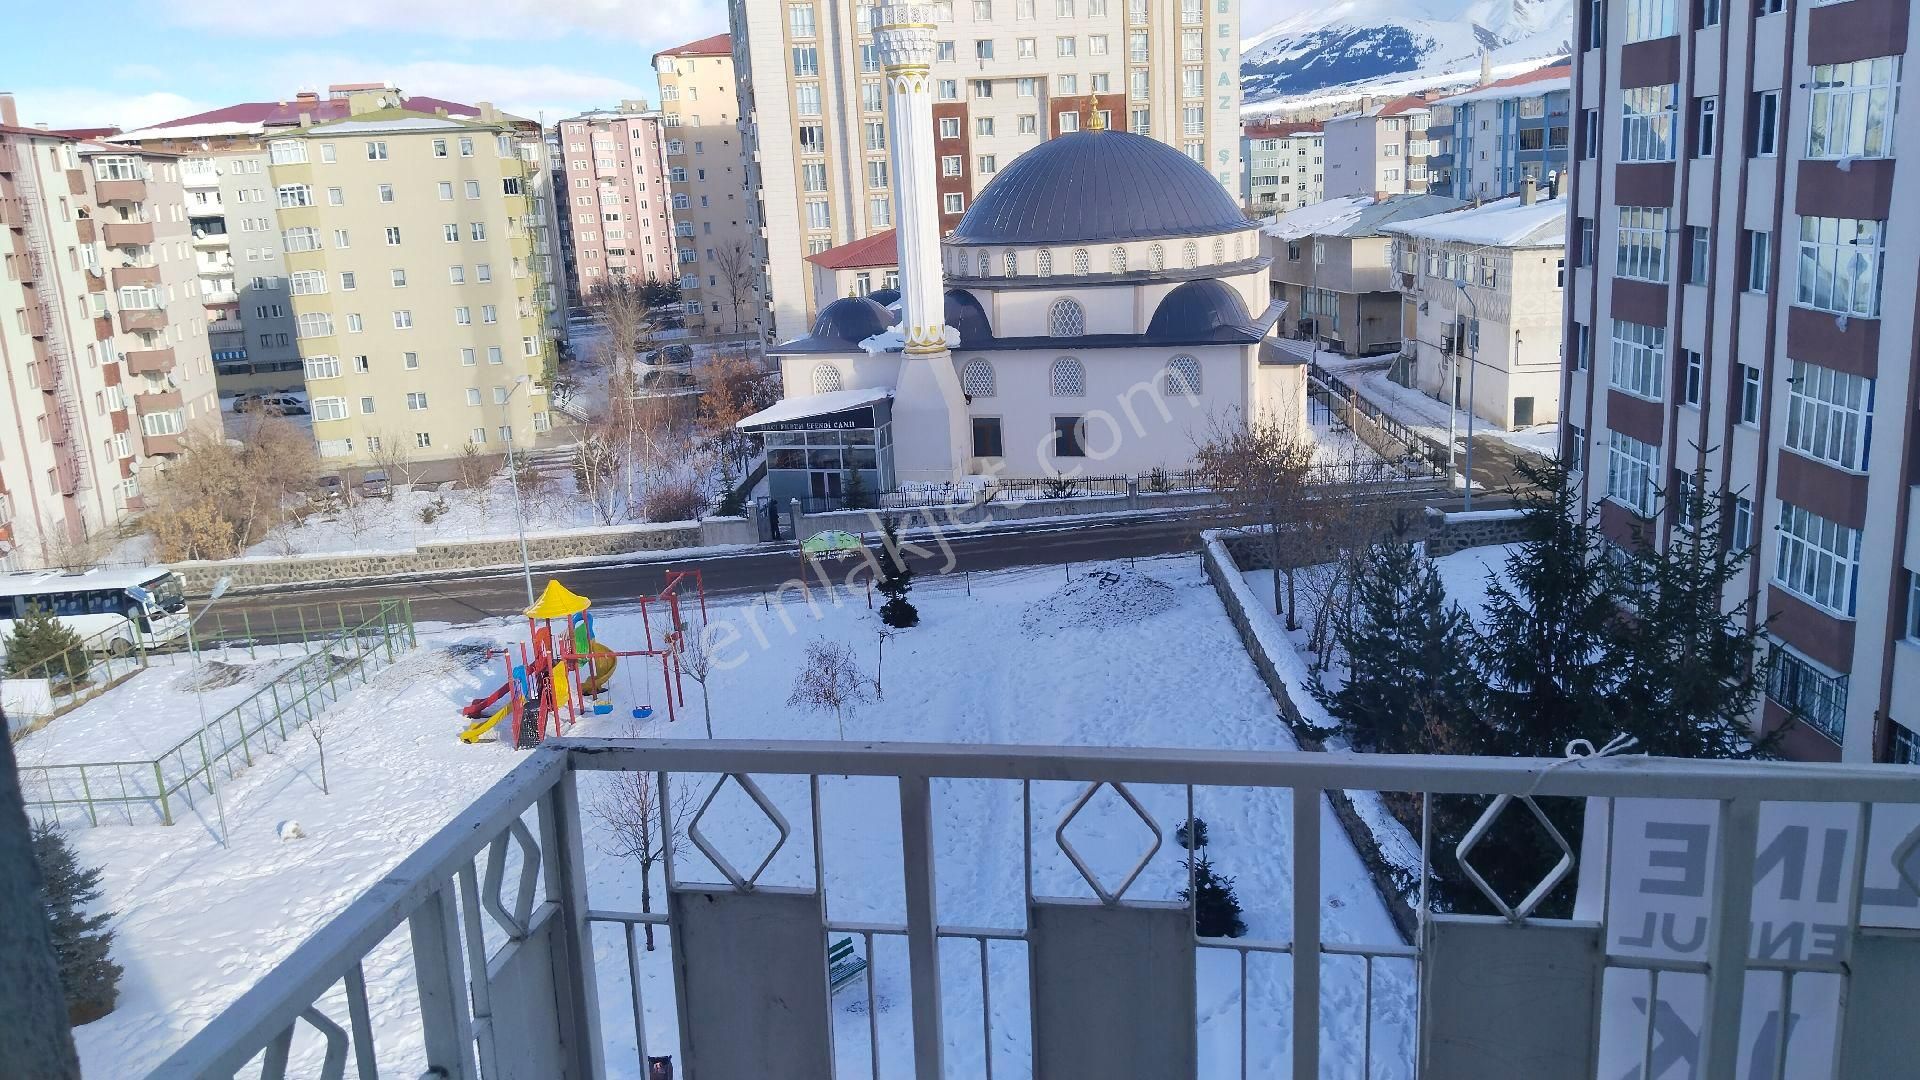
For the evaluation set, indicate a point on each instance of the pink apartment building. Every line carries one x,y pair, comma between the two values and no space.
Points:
617,194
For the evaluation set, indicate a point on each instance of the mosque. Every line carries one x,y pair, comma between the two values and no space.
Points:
1101,307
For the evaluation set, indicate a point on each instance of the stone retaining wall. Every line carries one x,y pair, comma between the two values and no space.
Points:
962,516
1448,533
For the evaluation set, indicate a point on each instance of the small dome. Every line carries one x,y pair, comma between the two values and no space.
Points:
884,297
965,314
1098,186
1203,310
851,319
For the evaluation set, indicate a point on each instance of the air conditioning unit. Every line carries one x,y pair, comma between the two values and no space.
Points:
1424,305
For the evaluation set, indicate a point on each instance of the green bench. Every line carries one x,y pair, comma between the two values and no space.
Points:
843,964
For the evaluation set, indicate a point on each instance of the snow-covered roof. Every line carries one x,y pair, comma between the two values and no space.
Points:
190,131
1503,223
375,123
1355,215
1510,89
800,408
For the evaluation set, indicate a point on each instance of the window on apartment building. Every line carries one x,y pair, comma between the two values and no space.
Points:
311,324
398,278
469,357
1576,448
1029,124
1641,243
1818,560
952,203
1066,45
1589,134
1193,47
1850,109
818,216
806,97
1740,524
477,230
402,319
876,173
376,150
1631,467
1067,84
291,195
446,191
329,408
1646,124
1769,7
872,98
1706,125
473,189
1763,124
416,402
439,148
876,134
1023,9
813,176
1707,13
1593,24
943,50
879,211
947,89
1758,252
1699,254
1693,376
384,192
1747,391
1841,260
813,139
1589,244
348,281
1649,19
393,236
1829,414
1067,121
806,62
950,165
1637,359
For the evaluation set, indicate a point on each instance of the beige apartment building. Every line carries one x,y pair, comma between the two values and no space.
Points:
416,265
1333,265
615,179
1006,76
716,249
1381,150
104,362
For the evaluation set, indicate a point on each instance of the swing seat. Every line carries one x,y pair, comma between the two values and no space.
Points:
643,712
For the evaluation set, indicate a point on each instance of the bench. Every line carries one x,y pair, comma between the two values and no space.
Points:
843,964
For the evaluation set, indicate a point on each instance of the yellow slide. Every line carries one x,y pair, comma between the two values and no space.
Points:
602,661
481,727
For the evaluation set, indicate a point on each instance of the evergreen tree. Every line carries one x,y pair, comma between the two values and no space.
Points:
80,941
854,492
895,579
1690,670
733,501
40,646
1410,686
1216,909
1191,834
1546,655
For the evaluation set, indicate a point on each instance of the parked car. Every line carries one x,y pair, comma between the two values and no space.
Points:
672,354
285,404
375,484
667,379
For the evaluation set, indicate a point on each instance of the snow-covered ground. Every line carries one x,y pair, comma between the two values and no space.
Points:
1113,658
1429,415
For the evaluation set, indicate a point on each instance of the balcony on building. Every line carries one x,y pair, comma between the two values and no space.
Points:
112,191
135,320
149,361
157,401
36,318
159,445
140,272
127,233
210,234
496,950
84,227
199,173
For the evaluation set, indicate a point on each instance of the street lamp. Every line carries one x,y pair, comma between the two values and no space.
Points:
200,695
1473,369
513,473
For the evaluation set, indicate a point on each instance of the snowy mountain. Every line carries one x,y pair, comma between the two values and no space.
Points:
1349,41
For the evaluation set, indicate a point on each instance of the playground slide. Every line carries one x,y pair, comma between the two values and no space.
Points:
603,661
481,727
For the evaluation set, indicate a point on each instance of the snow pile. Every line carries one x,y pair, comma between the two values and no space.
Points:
1099,600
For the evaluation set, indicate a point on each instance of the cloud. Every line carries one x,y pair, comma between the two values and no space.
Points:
91,106
654,21
522,90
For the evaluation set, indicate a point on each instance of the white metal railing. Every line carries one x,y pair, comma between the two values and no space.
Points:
476,925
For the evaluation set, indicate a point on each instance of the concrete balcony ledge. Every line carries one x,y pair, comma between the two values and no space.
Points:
120,190
209,239
127,233
149,361
134,275
164,401
152,445
84,227
148,319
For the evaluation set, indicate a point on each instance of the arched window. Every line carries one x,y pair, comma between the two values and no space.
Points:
1191,255
1066,319
1046,262
1240,247
1066,378
976,378
1183,375
1117,260
986,264
826,378
1157,257
1082,262
1219,250
1013,264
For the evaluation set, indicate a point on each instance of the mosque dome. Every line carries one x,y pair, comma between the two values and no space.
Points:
1205,309
884,297
851,319
964,313
1098,186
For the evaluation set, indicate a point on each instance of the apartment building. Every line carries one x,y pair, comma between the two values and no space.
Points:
716,249
1481,291
564,268
1333,265
417,261
1006,75
1742,309
866,267
616,192
104,362
1380,150
1282,166
1487,142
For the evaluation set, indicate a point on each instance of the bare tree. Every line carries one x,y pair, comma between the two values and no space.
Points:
628,807
696,659
830,680
395,455
598,466
739,277
620,307
220,495
1259,470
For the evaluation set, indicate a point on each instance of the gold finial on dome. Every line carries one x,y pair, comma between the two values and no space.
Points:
1095,120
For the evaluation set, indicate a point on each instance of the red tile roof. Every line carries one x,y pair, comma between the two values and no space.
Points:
21,129
1280,129
1562,70
717,45
879,249
88,133
287,113
1401,105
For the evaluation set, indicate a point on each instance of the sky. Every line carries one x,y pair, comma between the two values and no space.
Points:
148,62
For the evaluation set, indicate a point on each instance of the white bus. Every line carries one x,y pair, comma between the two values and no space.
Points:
112,610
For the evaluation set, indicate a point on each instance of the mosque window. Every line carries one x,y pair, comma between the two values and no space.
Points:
1013,264
1046,262
1183,376
1157,257
1117,260
986,264
1066,319
1067,378
1219,250
1082,262
826,379
1240,247
976,378
1190,256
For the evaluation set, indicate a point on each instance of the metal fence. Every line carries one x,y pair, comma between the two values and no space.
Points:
1414,444
504,972
325,668
73,677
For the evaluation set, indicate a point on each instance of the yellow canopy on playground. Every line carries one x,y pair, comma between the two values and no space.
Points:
558,602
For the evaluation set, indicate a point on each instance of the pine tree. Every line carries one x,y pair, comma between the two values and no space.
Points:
854,493
80,941
1410,686
895,579
1690,670
733,501
1546,655
1216,909
1191,834
40,646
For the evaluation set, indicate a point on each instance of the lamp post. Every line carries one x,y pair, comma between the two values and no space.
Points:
513,473
1473,369
200,697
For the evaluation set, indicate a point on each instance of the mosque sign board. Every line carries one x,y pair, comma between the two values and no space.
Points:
844,420
1656,878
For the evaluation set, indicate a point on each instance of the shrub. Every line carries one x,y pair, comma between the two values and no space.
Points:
80,941
1217,910
1197,829
434,510
40,646
680,500
1056,487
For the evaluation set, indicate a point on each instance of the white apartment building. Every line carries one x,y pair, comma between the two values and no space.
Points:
1379,151
716,250
1006,76
1284,166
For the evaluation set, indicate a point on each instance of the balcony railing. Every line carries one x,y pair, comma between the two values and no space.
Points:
504,982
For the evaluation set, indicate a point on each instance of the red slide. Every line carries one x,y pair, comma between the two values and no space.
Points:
479,707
